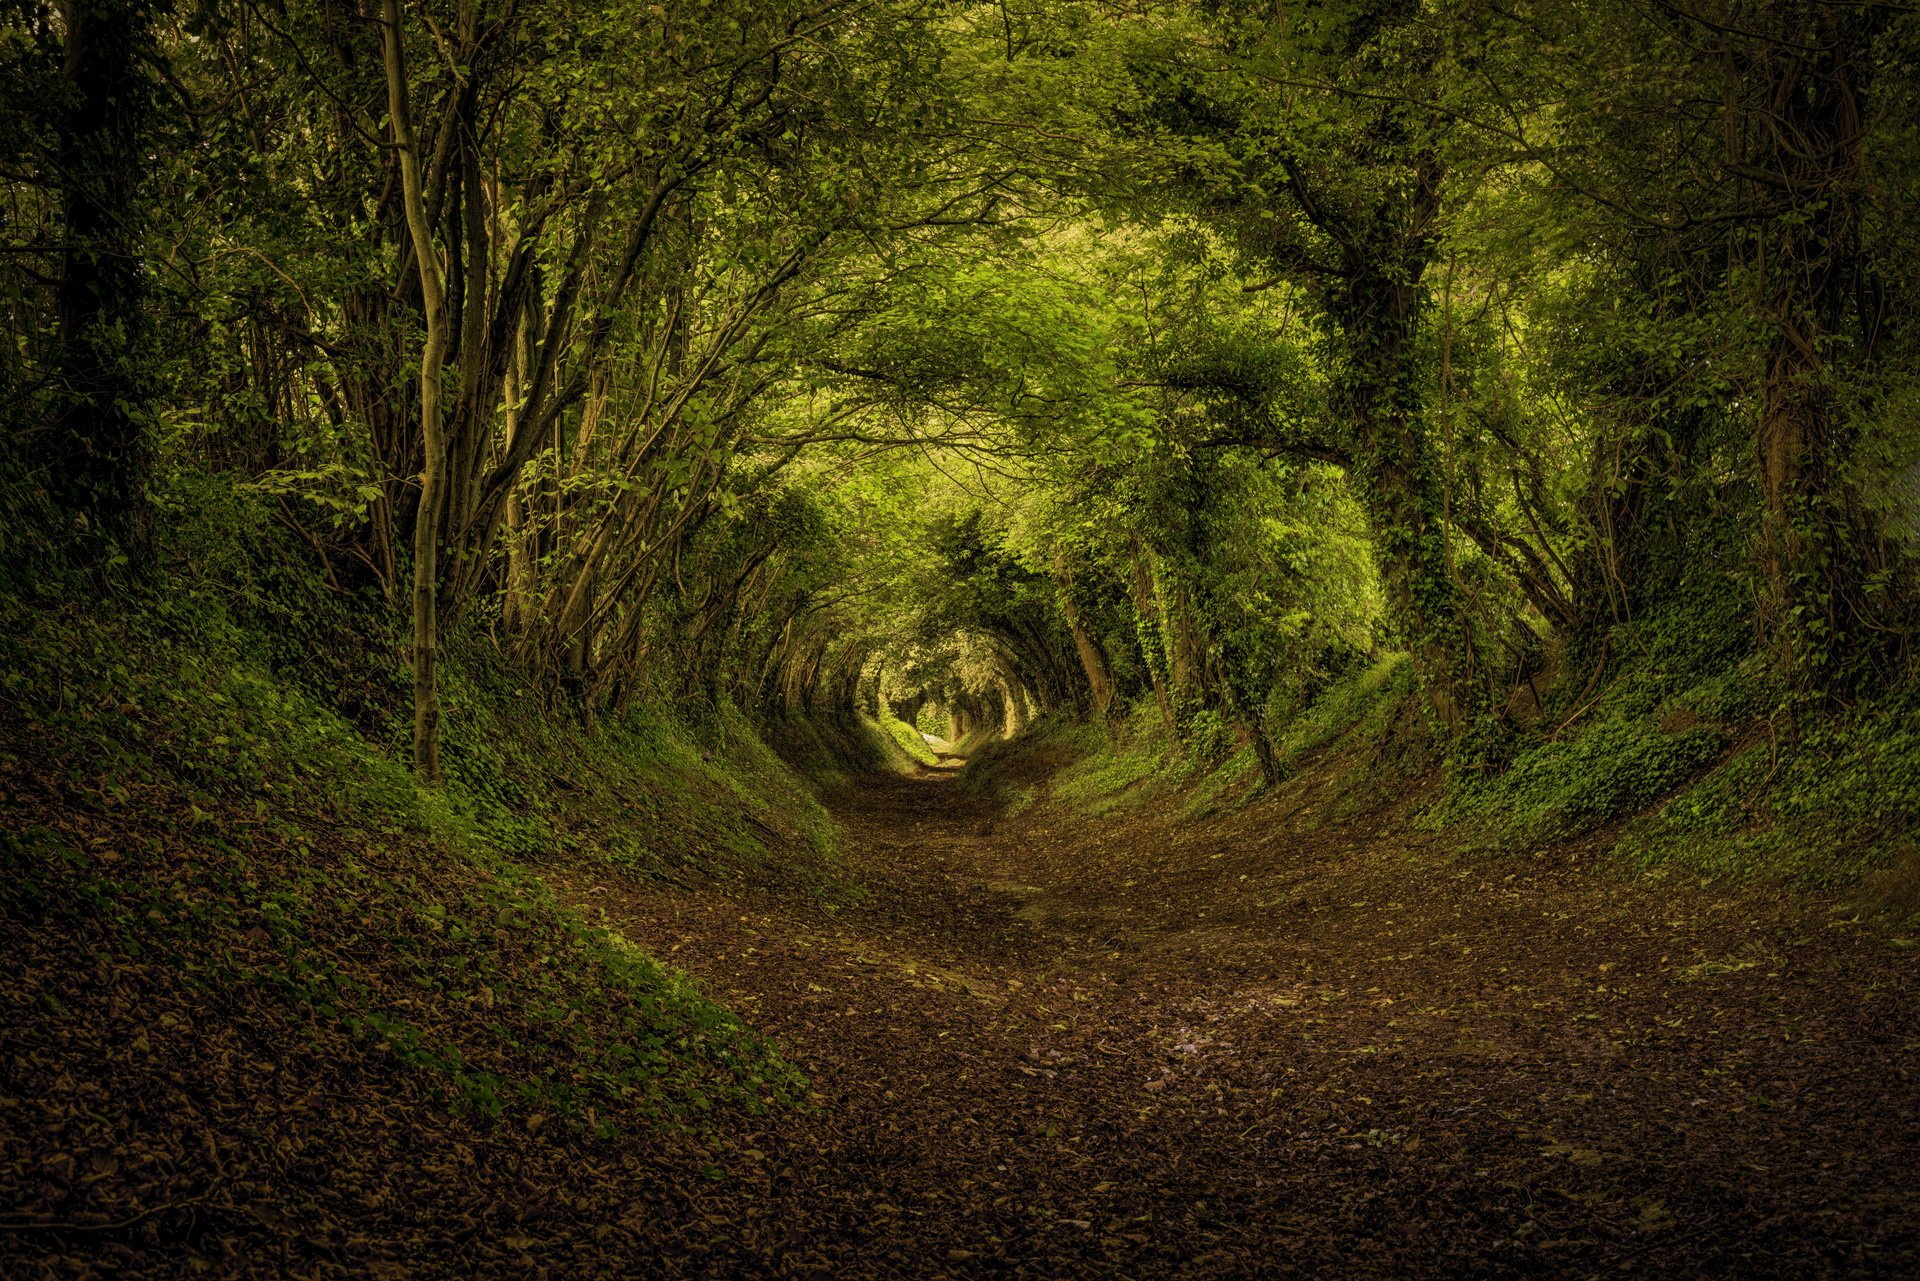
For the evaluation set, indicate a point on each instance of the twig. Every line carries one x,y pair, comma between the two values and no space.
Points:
55,1225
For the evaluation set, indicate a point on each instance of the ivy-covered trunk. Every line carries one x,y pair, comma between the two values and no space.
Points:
1807,265
1399,485
1376,309
1146,618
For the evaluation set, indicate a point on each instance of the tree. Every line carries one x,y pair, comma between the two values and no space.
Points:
1303,142
95,450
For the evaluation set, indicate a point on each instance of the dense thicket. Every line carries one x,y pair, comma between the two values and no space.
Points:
1002,359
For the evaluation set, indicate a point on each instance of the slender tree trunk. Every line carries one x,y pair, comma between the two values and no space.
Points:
1092,661
516,605
1607,578
1146,610
427,526
522,580
1263,753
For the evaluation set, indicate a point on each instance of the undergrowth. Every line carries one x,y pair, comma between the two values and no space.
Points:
1013,774
1678,750
1822,800
204,767
1137,764
1122,771
1690,756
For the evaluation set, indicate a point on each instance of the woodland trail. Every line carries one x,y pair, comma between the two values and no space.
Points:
1131,1048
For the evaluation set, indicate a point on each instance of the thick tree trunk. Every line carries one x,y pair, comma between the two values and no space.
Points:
1014,717
1403,501
96,453
1811,540
1398,477
1375,303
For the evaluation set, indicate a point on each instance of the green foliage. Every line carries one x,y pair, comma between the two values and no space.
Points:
1011,773
1616,768
1822,806
1612,742
1362,735
833,752
1692,741
1366,702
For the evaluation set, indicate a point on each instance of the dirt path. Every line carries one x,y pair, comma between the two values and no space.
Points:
1134,1049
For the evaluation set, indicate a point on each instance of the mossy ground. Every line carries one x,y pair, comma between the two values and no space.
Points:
908,738
833,751
1688,756
1135,764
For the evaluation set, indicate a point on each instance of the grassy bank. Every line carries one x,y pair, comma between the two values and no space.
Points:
1674,764
235,921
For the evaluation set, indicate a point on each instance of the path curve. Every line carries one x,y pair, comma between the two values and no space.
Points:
1138,1048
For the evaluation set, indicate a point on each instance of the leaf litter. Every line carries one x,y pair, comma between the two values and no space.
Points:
1131,1048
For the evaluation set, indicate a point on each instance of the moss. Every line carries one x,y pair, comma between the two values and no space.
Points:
1563,788
832,752
1364,704
1014,773
1126,771
909,739
1139,765
1231,784
974,742
1688,739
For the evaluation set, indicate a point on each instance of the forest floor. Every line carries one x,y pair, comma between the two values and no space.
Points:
1136,1047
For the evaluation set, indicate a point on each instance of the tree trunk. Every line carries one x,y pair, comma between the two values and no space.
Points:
1814,124
1146,609
96,453
1014,718
426,530
1263,753
1183,644
1092,661
1402,500
1378,310
1374,303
